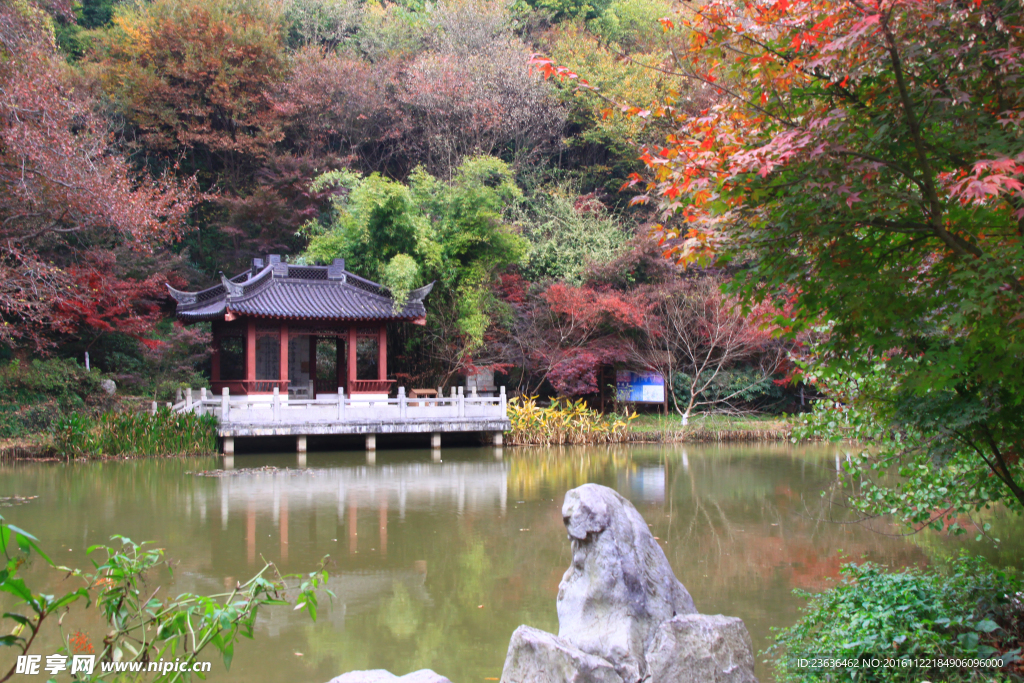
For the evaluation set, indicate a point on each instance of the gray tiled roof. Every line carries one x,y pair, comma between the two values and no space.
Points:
280,290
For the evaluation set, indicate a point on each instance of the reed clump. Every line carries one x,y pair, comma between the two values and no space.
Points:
564,422
134,433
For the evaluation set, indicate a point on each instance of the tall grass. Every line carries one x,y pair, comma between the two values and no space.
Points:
562,422
130,433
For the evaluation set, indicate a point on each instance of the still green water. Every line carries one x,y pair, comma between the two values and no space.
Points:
434,564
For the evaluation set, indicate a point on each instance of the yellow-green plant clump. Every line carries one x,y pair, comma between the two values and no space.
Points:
563,422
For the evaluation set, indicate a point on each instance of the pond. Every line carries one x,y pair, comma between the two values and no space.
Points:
434,564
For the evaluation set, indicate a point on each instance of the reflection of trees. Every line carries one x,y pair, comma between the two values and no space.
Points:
742,530
537,471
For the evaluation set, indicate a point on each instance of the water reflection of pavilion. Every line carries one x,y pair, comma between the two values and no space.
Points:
403,488
279,503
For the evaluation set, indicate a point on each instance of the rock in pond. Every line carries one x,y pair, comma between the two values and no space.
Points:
622,614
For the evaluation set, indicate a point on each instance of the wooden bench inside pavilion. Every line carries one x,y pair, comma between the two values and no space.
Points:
302,350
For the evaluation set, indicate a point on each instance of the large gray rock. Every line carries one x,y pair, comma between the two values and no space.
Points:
382,676
108,386
702,647
536,656
622,614
620,586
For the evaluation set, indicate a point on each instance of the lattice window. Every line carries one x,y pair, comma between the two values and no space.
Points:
210,294
366,285
307,273
255,283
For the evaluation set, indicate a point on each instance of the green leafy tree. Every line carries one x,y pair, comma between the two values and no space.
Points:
566,233
406,235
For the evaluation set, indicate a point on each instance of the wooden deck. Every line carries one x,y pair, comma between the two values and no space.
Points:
362,414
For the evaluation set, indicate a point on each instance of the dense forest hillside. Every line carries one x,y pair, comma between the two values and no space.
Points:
413,139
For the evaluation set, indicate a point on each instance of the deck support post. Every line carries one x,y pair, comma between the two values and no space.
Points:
371,442
300,461
228,445
225,405
498,439
498,453
435,440
435,455
228,462
300,443
371,458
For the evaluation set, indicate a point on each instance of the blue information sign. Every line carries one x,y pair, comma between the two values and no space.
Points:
639,387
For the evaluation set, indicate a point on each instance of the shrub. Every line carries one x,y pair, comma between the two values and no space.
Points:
908,616
563,422
34,394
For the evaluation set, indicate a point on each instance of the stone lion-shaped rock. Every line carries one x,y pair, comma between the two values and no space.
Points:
620,586
622,614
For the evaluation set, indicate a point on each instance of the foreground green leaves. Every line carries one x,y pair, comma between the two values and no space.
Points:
142,627
909,619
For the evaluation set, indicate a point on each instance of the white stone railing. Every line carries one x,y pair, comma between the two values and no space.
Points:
278,409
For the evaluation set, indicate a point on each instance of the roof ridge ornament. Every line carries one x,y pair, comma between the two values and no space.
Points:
182,297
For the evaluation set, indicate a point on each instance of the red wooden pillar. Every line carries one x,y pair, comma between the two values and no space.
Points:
382,353
352,358
339,363
312,362
282,373
250,356
215,356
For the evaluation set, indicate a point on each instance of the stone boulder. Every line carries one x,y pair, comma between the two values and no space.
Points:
619,587
382,676
622,614
702,647
536,656
108,386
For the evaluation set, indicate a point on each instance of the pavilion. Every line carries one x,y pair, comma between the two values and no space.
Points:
268,320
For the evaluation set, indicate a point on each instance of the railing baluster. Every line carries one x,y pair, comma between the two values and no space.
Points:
504,404
462,403
277,404
225,405
341,404
402,405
